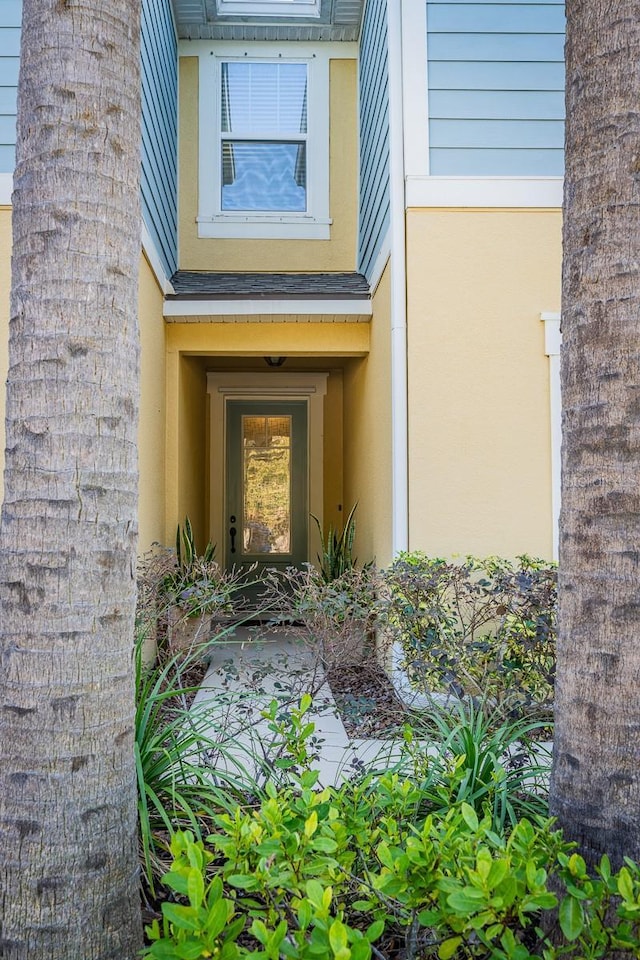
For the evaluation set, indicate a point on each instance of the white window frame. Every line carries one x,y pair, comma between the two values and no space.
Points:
312,224
269,8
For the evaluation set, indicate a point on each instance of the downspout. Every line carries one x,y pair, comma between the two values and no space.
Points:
399,404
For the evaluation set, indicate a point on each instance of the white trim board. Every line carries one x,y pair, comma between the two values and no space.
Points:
240,308
6,189
415,94
380,263
153,257
484,192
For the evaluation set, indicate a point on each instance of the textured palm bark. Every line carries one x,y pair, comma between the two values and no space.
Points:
68,864
596,776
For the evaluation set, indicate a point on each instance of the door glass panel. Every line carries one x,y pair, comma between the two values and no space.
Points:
266,484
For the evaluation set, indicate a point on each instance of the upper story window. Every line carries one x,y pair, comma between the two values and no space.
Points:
264,143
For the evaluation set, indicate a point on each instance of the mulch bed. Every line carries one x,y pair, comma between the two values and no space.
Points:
366,700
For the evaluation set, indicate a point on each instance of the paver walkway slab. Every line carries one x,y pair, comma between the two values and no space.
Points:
248,670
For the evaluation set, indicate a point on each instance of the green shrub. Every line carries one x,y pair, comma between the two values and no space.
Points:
397,863
286,882
483,629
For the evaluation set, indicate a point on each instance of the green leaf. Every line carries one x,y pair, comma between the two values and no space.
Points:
375,930
260,932
179,916
311,824
448,948
469,816
571,918
625,886
577,866
466,901
605,868
324,844
176,881
189,950
360,950
217,918
315,893
497,873
243,881
339,940
305,913
195,887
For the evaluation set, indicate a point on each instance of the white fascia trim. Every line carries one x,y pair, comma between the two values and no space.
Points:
537,192
155,262
238,308
6,189
416,100
380,263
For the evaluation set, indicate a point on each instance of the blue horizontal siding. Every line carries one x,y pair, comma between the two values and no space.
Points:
7,158
495,18
499,134
496,105
506,47
10,20
159,59
496,76
11,13
497,163
373,220
496,87
9,41
8,101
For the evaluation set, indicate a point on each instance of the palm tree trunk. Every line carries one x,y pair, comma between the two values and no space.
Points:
596,775
68,863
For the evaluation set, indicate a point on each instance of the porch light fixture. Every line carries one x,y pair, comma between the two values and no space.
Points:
274,361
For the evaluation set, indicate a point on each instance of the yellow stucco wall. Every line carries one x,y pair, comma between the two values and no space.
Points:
338,253
151,431
367,435
5,287
479,415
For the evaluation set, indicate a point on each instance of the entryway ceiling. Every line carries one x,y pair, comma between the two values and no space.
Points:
201,20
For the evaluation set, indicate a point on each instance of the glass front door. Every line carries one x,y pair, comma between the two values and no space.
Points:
267,483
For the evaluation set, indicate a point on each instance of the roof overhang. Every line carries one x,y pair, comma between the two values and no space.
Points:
331,20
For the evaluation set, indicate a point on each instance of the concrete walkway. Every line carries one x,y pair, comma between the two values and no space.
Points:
250,669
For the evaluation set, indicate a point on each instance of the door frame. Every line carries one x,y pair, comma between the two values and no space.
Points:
271,385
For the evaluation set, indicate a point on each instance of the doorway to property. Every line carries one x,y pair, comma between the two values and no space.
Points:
267,465
267,483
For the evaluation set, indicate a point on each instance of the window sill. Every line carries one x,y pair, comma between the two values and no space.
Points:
264,227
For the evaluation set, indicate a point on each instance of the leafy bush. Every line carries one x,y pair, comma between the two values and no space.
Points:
293,879
483,629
